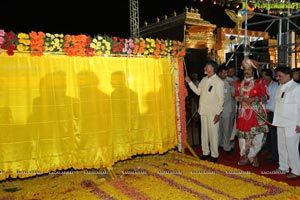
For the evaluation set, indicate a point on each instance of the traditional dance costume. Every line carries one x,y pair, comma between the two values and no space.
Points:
250,123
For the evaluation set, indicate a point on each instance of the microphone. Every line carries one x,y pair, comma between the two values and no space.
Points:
282,94
210,88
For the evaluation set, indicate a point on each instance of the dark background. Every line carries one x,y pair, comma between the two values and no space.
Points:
110,18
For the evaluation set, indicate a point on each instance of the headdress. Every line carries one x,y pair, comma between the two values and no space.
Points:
247,62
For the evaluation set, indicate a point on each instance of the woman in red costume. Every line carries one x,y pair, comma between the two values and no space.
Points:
251,93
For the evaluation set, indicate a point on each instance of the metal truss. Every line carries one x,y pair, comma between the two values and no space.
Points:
134,18
286,38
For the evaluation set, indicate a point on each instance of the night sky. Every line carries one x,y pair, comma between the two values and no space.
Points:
110,18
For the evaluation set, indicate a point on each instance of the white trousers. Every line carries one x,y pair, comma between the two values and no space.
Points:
225,131
209,136
288,142
254,147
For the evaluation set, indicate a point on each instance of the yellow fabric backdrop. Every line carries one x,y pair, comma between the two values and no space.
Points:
60,112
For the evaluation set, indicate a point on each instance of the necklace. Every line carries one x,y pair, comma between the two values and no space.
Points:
245,89
246,86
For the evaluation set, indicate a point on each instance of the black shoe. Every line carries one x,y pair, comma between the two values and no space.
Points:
204,157
214,160
271,160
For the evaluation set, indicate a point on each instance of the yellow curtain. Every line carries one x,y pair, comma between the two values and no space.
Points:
60,112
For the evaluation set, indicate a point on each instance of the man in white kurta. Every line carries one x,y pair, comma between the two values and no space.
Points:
287,120
211,92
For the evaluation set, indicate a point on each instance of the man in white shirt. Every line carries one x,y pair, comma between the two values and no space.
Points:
231,79
226,122
211,92
287,120
296,75
271,142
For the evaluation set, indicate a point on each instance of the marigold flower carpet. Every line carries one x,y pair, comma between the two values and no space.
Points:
168,176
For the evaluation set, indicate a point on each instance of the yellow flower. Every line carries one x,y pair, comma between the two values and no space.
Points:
22,47
24,42
101,45
54,42
152,42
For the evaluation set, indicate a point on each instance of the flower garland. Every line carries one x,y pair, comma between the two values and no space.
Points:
117,46
101,45
2,34
39,43
9,42
139,46
128,46
78,45
24,42
54,42
183,93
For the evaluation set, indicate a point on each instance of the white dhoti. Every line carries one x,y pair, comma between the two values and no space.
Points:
251,147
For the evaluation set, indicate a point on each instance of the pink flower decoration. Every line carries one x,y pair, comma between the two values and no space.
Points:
2,32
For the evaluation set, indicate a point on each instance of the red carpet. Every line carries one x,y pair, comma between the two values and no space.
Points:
263,169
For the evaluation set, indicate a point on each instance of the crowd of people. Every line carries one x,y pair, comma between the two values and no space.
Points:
259,108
